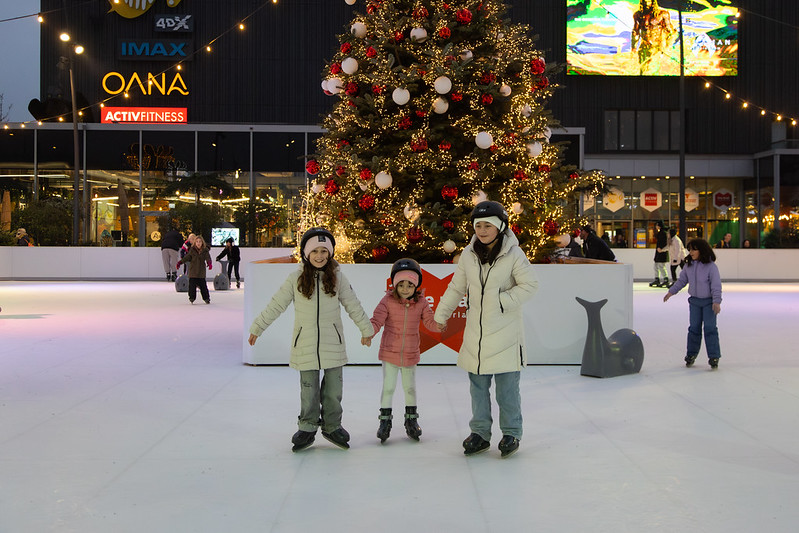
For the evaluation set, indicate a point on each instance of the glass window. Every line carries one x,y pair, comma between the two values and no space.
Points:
611,130
661,131
643,136
626,130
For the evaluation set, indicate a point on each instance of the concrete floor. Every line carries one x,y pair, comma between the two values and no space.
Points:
125,409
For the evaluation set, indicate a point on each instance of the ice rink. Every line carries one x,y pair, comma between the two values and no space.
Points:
125,409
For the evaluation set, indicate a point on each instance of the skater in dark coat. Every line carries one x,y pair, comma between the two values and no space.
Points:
233,259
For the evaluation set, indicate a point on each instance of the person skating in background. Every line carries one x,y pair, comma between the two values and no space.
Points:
233,259
170,252
661,256
497,279
676,254
400,312
23,239
198,258
184,249
318,290
704,302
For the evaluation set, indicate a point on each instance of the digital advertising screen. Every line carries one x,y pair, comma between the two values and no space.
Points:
642,37
220,235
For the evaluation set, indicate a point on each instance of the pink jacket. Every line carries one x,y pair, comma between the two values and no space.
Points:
401,319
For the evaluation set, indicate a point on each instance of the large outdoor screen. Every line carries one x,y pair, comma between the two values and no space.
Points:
642,37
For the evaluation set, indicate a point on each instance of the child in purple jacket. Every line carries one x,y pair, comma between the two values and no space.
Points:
704,287
400,312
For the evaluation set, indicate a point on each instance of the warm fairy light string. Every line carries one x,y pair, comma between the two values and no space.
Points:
240,25
709,84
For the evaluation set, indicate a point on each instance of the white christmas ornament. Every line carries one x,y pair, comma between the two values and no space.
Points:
411,213
534,149
547,132
442,85
349,65
364,184
440,105
483,140
335,85
527,110
359,30
401,96
504,90
349,2
449,246
383,180
317,188
517,208
479,196
419,35
324,86
466,55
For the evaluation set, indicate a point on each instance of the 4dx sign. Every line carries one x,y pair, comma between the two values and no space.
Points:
116,83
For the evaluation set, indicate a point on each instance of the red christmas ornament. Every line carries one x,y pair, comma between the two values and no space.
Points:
312,167
371,52
449,193
345,48
405,123
448,225
342,143
340,171
463,16
366,174
487,78
387,220
419,145
520,175
398,36
445,33
342,215
371,8
351,89
516,229
536,66
493,148
377,90
420,113
335,68
414,234
574,175
367,202
456,96
351,103
474,165
380,253
551,227
543,83
449,60
420,13
331,187
543,168
444,146
486,99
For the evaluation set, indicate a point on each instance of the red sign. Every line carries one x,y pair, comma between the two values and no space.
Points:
433,289
722,199
144,115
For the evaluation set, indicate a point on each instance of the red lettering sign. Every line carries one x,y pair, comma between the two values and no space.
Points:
144,115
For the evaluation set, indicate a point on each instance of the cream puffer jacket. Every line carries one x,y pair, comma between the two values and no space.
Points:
318,337
493,340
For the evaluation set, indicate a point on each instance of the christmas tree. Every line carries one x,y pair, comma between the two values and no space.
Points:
440,106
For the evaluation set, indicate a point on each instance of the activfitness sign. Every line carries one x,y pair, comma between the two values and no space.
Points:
144,115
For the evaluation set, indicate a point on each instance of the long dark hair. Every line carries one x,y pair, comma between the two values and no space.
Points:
706,254
306,283
486,254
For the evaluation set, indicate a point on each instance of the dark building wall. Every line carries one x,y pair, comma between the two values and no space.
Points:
271,72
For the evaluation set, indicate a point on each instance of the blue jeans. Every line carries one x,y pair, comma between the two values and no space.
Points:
320,402
701,313
508,398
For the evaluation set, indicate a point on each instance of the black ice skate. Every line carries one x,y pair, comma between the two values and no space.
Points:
385,424
474,443
302,439
339,437
508,446
411,426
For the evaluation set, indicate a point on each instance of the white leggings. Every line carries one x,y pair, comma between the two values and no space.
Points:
390,372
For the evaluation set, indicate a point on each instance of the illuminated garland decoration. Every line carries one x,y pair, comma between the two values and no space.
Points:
439,105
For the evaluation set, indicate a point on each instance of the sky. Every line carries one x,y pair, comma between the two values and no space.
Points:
19,58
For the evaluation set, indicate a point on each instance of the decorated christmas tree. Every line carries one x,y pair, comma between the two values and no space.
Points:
440,105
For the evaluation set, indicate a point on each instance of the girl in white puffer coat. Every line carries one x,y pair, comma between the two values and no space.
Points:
318,291
497,279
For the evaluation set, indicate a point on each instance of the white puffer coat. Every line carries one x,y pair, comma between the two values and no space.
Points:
318,337
493,340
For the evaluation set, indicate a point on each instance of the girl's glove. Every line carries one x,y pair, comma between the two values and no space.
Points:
210,265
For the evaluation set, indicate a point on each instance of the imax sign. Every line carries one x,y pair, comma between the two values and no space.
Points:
154,50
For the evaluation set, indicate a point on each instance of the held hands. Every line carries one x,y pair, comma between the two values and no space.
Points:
441,327
252,339
366,341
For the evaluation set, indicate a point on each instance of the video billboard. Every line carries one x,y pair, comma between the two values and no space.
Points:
642,37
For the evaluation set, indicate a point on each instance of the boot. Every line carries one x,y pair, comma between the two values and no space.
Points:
339,437
385,424
169,277
655,283
508,446
474,443
173,276
411,426
302,439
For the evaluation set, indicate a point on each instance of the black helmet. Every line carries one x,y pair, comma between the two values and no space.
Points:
487,209
406,263
322,234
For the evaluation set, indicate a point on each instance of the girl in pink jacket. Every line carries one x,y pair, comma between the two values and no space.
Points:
400,312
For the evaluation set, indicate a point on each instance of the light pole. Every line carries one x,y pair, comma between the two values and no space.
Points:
78,49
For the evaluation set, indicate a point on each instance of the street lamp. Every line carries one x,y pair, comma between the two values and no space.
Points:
78,49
